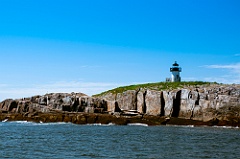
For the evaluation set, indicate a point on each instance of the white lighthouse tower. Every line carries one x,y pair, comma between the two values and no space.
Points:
175,69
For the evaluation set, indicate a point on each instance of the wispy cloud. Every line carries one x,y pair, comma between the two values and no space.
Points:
89,66
221,79
3,85
237,55
232,76
189,79
233,67
89,88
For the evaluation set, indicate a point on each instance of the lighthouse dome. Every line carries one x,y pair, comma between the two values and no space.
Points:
175,64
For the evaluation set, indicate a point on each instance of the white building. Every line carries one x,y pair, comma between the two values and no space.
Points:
175,69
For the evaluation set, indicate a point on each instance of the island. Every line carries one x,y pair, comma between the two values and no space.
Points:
194,103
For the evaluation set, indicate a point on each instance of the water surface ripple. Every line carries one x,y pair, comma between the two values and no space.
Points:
22,140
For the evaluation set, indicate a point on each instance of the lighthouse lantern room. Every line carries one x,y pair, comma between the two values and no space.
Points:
175,69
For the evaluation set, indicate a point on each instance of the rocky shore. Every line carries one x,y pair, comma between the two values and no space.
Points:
191,105
86,118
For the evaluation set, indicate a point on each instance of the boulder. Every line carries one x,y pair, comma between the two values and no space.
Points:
168,99
127,100
9,105
153,102
111,103
141,104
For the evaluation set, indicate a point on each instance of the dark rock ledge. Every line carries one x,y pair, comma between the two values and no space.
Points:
91,118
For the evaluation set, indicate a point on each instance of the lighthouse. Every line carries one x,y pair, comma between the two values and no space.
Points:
175,69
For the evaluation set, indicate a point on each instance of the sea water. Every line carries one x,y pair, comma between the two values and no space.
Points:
25,140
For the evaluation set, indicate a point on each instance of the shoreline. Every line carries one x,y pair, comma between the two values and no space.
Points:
96,118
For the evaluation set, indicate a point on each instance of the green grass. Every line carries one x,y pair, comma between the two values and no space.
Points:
156,86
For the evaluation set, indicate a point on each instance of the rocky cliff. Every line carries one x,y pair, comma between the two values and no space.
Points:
196,102
199,102
60,102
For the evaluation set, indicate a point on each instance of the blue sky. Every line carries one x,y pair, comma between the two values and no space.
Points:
91,46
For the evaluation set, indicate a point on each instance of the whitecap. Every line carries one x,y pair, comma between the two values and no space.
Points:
5,120
21,122
53,123
100,124
185,126
137,124
190,126
226,127
110,124
95,124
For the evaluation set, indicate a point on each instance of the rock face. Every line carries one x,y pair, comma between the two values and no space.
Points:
127,100
153,102
199,103
64,102
202,103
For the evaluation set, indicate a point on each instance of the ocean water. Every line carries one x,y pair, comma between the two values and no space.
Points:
24,140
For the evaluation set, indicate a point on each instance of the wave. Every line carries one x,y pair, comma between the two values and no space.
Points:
100,124
33,123
137,124
53,123
185,126
204,126
226,127
5,120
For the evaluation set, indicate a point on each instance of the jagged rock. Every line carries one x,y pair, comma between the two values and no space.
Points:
153,102
141,104
54,102
23,107
87,104
9,105
127,100
111,103
199,103
168,99
189,99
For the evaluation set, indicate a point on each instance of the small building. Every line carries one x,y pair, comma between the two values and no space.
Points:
175,69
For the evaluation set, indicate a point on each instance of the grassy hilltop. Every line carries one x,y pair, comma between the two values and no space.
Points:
156,86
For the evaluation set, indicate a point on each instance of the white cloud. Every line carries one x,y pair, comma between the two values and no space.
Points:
89,88
229,80
233,67
3,85
189,79
89,66
232,76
